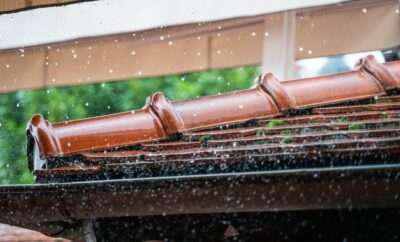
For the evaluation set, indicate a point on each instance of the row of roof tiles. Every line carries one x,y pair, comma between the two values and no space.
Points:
161,119
365,131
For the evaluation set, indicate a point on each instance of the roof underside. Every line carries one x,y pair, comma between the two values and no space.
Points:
107,17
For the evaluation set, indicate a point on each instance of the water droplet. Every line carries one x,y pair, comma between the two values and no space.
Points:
397,11
170,43
253,34
75,56
218,52
364,10
53,80
69,144
133,52
266,34
161,37
198,53
110,71
301,49
87,104
309,52
8,66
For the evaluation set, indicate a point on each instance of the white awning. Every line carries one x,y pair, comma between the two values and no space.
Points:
106,17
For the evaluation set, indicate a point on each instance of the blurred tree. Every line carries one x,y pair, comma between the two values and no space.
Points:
58,104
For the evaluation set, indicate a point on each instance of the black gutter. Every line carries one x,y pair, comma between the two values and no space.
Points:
347,187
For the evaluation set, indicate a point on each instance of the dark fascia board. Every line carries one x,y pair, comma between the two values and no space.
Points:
346,187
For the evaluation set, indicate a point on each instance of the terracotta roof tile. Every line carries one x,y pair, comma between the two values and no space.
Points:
348,115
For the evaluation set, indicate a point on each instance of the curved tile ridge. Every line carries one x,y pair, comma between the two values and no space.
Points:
172,123
388,76
160,118
331,89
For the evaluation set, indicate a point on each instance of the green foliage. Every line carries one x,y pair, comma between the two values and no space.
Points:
356,126
58,104
287,140
204,139
342,120
275,123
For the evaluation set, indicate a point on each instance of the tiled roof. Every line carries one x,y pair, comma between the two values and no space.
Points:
349,118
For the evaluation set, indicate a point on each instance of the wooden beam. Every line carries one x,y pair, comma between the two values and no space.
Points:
348,31
194,47
279,43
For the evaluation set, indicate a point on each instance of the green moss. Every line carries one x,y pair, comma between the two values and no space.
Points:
385,115
287,140
286,132
275,122
342,120
356,126
204,139
260,133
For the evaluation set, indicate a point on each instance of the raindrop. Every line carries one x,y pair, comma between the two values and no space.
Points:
133,52
198,53
87,104
8,66
108,107
53,80
266,34
18,105
397,11
170,43
364,10
309,52
301,49
110,71
253,34
240,106
218,52
69,144
75,56
140,73
161,37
